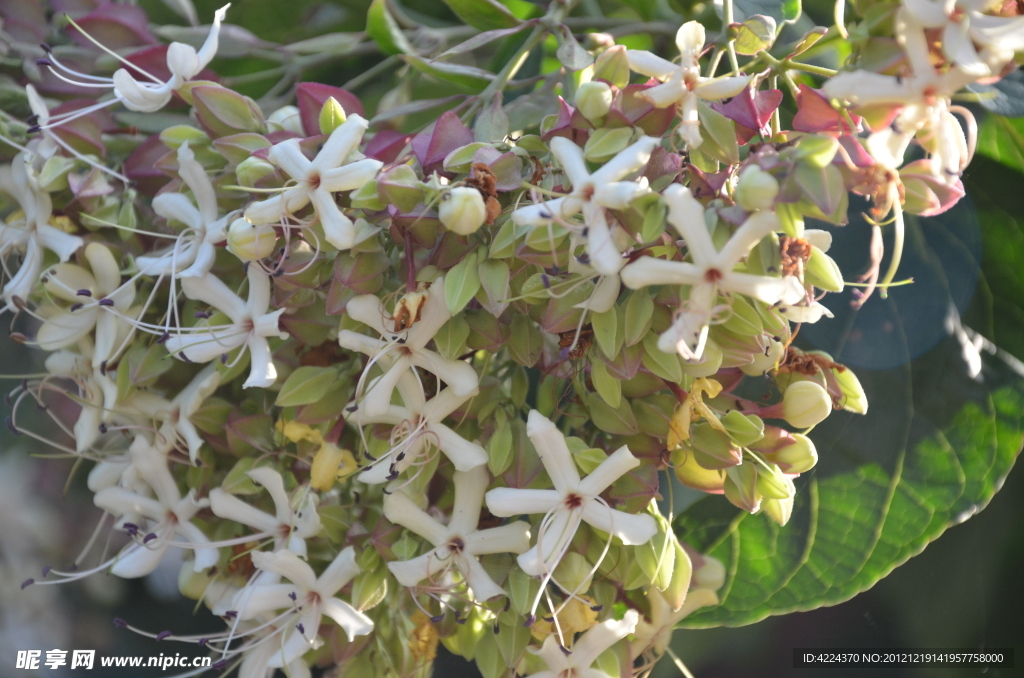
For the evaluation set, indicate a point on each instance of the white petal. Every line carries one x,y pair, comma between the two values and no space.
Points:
57,241
254,600
553,451
229,507
667,93
690,39
262,373
551,544
340,572
505,502
353,622
202,347
210,290
627,161
65,328
286,564
648,271
401,510
351,176
460,376
721,88
511,538
209,48
266,211
542,213
649,64
611,469
412,572
570,157
469,499
143,98
138,560
483,587
687,216
605,257
601,637
342,141
338,229
630,528
118,501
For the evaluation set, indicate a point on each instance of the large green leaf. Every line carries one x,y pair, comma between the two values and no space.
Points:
486,15
1002,139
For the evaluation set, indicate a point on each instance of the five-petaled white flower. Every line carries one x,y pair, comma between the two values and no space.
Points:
290,528
402,345
309,596
458,543
250,326
417,425
710,272
99,301
591,194
585,651
96,391
193,253
183,62
31,234
573,500
175,414
963,24
682,83
169,515
316,181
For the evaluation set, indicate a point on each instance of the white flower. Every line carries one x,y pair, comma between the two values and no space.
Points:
99,301
963,24
573,500
460,542
176,414
194,251
183,62
250,326
418,424
289,527
316,181
32,233
591,194
169,515
657,633
682,83
585,651
710,273
309,596
96,390
254,659
404,339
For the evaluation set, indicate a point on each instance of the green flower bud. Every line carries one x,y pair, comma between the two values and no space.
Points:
822,271
462,210
251,170
332,115
712,448
771,483
854,398
778,510
693,475
743,429
805,404
287,118
762,362
573,572
710,574
594,99
741,487
756,189
192,584
798,457
613,66
174,137
249,242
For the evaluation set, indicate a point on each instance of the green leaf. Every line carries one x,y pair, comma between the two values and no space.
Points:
1002,139
466,76
237,481
664,365
940,447
381,26
525,344
606,331
755,34
639,312
499,447
306,385
485,15
451,338
615,420
607,386
461,283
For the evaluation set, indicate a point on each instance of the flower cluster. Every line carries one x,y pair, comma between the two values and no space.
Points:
424,383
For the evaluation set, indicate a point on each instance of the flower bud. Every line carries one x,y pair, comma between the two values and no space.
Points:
249,242
778,510
741,487
330,463
854,399
612,66
462,210
332,115
756,189
712,448
762,362
710,574
772,484
797,457
192,584
805,404
287,118
822,271
594,99
252,170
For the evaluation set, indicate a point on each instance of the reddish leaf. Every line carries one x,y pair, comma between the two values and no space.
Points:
433,145
386,145
310,97
751,109
815,114
115,26
141,166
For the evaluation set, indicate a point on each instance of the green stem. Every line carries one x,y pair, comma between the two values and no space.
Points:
727,21
371,73
809,68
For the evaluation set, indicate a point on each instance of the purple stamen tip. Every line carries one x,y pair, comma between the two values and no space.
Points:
301,628
46,48
46,570
184,357
202,642
103,428
546,280
43,62
162,635
120,623
231,614
497,628
549,619
530,620
32,119
149,537
84,293
103,368
217,666
11,425
293,596
597,608
28,582
223,358
461,620
202,314
566,651
75,306
163,337
33,129
106,302
439,618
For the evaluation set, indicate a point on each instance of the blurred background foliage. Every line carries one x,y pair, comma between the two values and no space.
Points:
963,591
